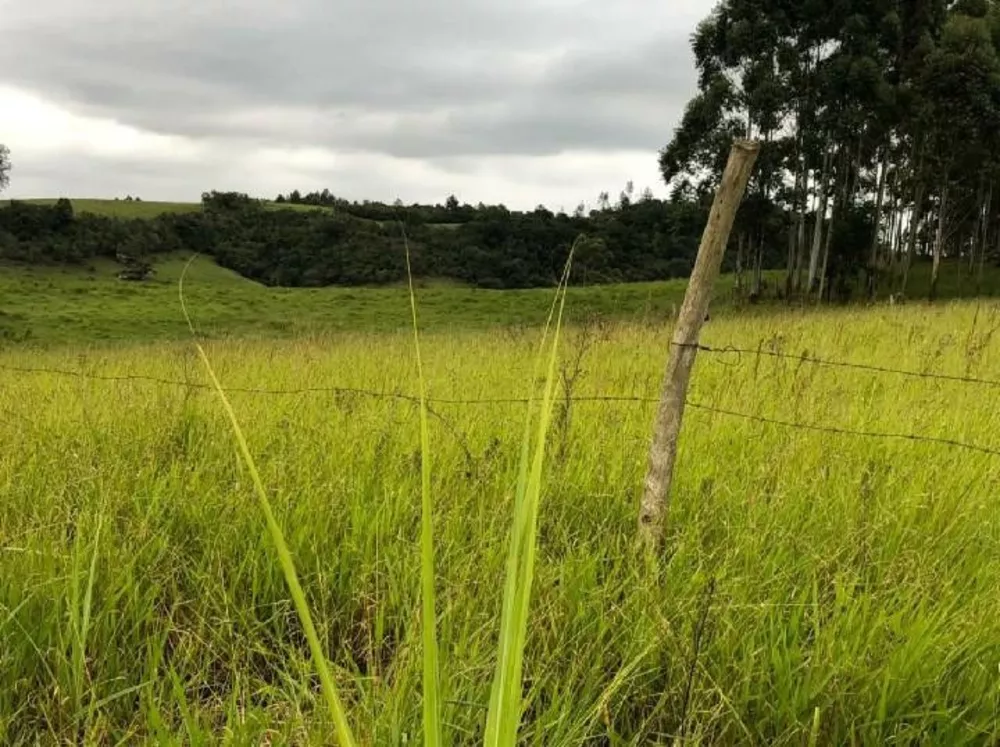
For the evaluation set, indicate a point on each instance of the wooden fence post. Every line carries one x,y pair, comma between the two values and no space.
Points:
663,452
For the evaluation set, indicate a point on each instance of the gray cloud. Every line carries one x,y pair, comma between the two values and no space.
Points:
420,79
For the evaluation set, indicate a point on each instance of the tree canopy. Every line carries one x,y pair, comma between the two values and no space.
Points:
351,243
879,122
4,167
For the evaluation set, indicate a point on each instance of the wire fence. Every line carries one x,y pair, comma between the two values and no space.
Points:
827,362
599,398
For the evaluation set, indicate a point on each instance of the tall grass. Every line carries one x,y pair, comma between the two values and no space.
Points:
505,702
428,622
504,714
343,730
815,589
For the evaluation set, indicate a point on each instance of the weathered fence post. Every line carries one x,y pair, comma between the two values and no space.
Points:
663,452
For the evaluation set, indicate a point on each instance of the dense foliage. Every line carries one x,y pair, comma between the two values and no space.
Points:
362,243
880,124
4,166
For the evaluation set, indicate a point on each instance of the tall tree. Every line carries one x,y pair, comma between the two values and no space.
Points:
4,167
879,120
960,116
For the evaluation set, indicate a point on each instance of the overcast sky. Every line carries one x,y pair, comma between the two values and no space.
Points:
520,101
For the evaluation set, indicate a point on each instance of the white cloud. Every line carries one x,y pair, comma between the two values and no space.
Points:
57,152
525,102
33,126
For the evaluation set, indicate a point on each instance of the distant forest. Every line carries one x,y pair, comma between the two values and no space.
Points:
352,243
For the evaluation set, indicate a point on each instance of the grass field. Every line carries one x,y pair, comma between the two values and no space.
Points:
814,588
64,306
82,306
142,209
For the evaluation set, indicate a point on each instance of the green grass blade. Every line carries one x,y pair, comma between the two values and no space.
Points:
504,714
500,692
88,598
814,732
431,667
344,735
81,612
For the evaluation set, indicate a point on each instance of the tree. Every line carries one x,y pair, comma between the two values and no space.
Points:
960,87
4,167
876,114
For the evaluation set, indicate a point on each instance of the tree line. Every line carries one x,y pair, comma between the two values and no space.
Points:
880,125
362,243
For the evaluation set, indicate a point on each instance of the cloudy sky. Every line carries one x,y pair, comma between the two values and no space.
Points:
520,101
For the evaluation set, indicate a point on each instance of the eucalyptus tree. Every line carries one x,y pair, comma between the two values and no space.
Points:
959,88
4,166
876,116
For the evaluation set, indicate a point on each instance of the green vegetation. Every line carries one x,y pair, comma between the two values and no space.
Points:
398,553
880,125
44,305
809,582
351,244
122,208
141,209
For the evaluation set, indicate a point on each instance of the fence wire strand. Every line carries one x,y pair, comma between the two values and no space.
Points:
871,368
605,398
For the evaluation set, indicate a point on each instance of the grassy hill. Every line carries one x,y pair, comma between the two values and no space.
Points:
65,305
73,305
143,209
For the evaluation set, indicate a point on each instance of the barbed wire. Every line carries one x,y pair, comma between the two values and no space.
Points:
849,432
613,398
359,391
869,367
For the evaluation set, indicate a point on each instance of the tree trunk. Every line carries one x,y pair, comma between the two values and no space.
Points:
818,230
984,227
800,242
915,221
839,203
758,267
826,252
792,234
739,264
987,222
982,259
873,256
899,213
670,414
939,243
975,234
790,276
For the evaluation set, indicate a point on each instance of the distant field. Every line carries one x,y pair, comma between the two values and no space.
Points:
143,209
81,305
74,305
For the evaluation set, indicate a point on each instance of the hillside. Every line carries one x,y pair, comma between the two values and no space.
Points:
75,305
127,209
61,305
